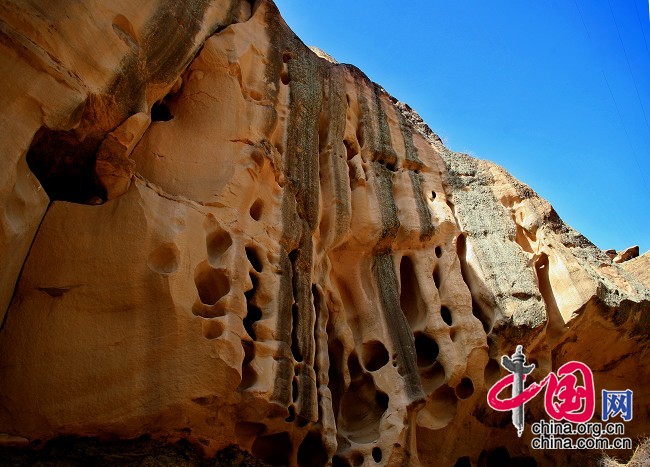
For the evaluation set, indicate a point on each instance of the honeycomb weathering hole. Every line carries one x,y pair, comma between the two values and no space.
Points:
217,243
410,297
254,258
160,112
446,315
376,454
253,315
164,259
426,349
65,165
438,252
362,405
465,388
211,284
256,209
375,355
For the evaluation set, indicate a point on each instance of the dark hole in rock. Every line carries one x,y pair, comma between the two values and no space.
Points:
362,405
349,151
375,355
160,112
294,389
217,243
253,315
426,349
254,258
286,56
256,209
376,454
273,449
284,77
65,166
249,294
292,414
438,252
353,365
211,284
312,452
446,315
463,462
433,195
410,297
465,388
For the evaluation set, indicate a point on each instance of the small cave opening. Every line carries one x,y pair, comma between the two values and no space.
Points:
292,414
375,355
376,454
362,406
211,284
217,243
465,388
253,315
445,314
254,258
295,337
160,112
426,349
438,252
411,301
256,209
463,462
64,164
294,389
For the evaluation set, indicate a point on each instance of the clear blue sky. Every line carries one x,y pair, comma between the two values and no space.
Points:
555,91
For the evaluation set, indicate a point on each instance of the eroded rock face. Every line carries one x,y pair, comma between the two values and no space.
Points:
271,252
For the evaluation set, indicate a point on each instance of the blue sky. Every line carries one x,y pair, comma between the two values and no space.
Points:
555,91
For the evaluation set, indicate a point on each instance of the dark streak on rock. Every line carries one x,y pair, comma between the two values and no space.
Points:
397,326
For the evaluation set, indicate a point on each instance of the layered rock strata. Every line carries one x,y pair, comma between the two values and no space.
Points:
247,244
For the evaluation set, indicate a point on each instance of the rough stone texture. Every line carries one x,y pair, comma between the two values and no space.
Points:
640,268
249,244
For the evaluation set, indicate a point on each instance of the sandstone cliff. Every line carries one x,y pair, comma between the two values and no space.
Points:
213,234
